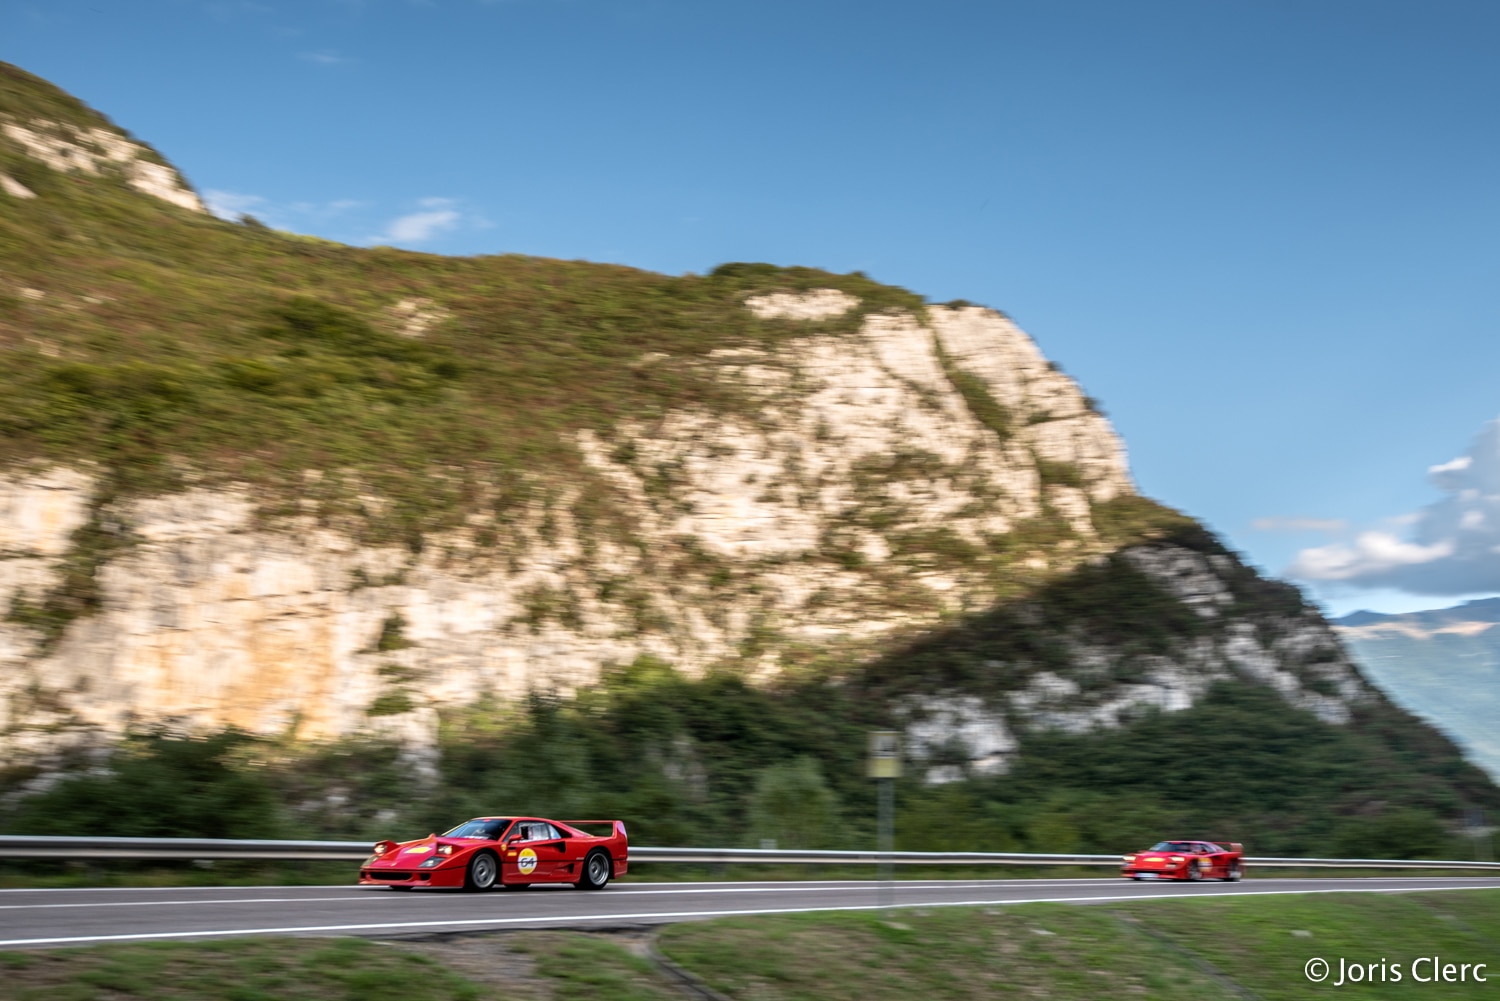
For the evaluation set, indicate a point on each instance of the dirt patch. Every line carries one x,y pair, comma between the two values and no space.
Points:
491,961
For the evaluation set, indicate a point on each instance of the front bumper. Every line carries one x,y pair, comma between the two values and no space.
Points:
1132,872
450,876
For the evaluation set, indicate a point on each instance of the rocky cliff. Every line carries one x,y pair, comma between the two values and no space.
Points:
811,520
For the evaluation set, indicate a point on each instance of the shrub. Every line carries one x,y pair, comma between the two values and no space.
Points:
159,785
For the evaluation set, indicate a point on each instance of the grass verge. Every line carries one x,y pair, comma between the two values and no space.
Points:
1203,948
1192,948
236,970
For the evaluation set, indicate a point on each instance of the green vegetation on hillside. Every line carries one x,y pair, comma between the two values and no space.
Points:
154,341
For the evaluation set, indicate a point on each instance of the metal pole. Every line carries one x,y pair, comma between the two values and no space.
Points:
886,838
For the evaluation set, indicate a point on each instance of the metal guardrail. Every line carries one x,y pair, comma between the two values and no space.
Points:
27,846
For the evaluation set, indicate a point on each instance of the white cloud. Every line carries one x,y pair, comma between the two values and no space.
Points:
231,204
1453,545
1299,524
324,211
419,227
295,217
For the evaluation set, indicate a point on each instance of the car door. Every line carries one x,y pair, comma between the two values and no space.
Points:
525,862
538,852
552,853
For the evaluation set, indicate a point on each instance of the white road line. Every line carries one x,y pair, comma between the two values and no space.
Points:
648,915
171,903
732,884
353,889
348,897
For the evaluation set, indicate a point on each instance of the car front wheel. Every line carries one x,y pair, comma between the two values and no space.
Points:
1195,870
483,870
596,871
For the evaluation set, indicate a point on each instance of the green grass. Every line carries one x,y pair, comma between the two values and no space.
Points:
234,970
1204,948
1045,951
1253,942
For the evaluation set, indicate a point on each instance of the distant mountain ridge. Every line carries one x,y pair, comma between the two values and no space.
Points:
1441,663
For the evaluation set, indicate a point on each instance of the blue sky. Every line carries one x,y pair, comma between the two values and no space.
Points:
1265,234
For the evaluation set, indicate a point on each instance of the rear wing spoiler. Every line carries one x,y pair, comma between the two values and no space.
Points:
617,826
1236,847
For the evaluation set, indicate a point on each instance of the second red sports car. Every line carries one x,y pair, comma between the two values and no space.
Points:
490,852
1186,860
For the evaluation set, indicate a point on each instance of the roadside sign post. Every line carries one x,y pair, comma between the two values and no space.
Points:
885,768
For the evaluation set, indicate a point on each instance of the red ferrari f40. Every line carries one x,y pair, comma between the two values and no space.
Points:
490,852
1186,860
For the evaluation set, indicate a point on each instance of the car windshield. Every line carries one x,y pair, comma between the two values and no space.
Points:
488,828
1172,846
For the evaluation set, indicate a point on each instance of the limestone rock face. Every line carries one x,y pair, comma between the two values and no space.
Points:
737,537
67,148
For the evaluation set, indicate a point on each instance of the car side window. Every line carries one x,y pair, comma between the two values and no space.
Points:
552,833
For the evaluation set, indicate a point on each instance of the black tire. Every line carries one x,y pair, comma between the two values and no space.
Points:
483,872
595,872
399,886
1235,874
1195,871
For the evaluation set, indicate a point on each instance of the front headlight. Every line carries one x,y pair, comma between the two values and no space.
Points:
1127,858
1176,859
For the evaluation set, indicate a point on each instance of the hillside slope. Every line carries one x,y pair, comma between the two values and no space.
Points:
318,492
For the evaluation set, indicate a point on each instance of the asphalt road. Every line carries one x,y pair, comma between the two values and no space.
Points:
44,918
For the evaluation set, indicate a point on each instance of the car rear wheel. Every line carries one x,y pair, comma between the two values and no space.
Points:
1234,874
595,872
483,870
